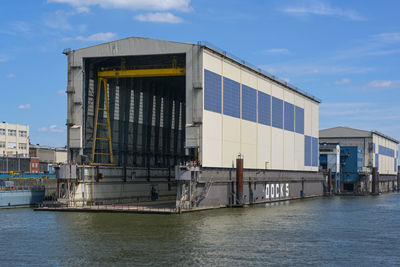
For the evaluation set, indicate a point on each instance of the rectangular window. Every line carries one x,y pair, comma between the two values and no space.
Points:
314,152
299,120
277,112
21,146
307,150
249,103
12,132
22,133
2,144
289,116
12,145
231,98
2,131
377,161
264,108
212,91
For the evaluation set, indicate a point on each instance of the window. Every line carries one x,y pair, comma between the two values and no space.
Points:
12,145
12,132
2,144
2,131
22,146
22,133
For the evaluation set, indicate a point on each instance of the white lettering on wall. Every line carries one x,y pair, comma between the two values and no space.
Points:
272,191
276,190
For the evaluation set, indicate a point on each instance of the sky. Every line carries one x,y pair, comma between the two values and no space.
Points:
346,53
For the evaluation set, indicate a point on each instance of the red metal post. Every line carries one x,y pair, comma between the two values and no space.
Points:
239,180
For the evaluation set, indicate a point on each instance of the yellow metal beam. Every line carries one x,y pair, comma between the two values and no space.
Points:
142,73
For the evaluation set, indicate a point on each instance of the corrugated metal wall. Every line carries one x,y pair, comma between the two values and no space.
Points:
271,126
386,154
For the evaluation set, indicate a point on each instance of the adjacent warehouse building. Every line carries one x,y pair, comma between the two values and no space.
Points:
360,152
14,139
143,106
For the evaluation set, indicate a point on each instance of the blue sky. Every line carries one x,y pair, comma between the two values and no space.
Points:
347,53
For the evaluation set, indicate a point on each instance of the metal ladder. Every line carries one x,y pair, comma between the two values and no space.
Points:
102,81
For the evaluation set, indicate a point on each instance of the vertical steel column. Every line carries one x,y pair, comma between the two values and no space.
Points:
127,111
157,128
375,181
329,181
239,181
136,124
176,130
398,181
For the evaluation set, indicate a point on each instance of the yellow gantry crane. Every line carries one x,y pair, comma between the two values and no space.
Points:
122,72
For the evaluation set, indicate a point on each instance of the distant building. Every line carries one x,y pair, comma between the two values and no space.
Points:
48,154
360,151
14,139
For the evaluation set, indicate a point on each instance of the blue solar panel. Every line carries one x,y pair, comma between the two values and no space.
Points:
299,120
264,108
289,116
249,103
231,98
314,151
386,151
277,112
307,150
212,91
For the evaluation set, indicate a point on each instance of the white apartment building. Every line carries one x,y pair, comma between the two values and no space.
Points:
14,139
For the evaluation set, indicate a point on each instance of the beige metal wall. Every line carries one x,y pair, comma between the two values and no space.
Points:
262,146
386,163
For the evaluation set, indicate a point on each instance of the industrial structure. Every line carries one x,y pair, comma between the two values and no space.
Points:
151,119
362,152
14,139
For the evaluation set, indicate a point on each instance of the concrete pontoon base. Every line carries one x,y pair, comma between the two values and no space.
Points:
159,207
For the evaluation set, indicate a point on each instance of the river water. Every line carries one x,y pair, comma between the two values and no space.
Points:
351,231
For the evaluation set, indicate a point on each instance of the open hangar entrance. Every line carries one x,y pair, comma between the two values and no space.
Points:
142,117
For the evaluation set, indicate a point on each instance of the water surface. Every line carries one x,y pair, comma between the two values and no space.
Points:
352,231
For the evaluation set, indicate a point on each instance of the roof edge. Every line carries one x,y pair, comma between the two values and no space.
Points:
256,69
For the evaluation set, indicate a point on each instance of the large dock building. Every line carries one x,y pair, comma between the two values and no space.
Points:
360,152
159,119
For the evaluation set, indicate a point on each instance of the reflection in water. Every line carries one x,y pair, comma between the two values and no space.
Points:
324,231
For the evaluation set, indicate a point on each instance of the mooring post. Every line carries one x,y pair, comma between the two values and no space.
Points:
375,181
329,181
239,180
398,181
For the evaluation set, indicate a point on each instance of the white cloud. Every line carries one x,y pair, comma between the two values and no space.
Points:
343,81
322,9
159,17
84,5
52,128
2,59
61,92
10,75
27,106
384,84
97,37
277,51
376,45
388,37
299,68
